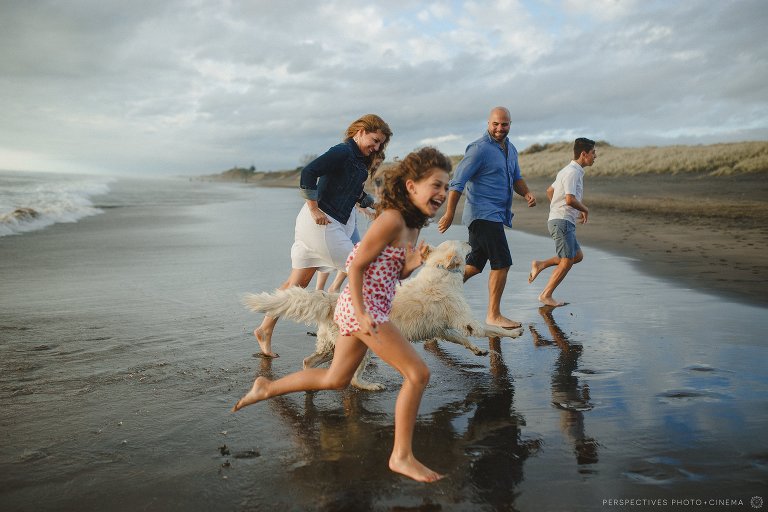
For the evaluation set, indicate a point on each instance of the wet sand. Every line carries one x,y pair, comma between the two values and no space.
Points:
123,345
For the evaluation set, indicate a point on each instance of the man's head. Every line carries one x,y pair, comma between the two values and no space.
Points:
584,151
498,124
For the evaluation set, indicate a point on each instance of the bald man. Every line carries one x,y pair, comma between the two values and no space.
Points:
490,173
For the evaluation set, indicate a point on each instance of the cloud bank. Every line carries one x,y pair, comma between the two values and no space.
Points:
198,86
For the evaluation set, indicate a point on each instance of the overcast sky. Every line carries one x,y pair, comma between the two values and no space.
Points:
199,86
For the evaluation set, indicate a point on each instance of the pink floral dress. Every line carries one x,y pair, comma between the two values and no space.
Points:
379,282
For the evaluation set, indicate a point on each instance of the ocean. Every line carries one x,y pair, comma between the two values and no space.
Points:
123,345
31,201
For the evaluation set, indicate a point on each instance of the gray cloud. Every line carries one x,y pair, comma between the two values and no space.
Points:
198,86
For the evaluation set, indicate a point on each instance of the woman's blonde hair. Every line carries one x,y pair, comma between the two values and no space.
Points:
371,123
415,166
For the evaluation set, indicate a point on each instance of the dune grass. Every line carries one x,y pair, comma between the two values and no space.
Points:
544,160
713,159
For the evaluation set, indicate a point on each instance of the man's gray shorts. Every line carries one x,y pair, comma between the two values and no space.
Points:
564,235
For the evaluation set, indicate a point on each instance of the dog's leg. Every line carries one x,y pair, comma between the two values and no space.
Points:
359,382
316,359
492,331
326,340
455,336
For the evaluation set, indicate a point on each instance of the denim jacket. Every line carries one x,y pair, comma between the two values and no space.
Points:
336,179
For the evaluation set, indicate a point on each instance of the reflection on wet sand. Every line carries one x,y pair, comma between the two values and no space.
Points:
567,395
492,444
332,447
341,445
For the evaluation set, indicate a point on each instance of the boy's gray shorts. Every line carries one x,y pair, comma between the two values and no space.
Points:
564,234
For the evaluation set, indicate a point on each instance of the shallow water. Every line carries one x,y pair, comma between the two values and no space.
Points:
123,344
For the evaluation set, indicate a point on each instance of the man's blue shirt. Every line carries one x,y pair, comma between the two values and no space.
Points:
487,172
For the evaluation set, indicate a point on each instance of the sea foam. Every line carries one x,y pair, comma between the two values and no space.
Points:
32,201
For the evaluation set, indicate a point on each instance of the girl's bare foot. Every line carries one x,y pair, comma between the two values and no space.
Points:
503,322
257,393
265,342
414,469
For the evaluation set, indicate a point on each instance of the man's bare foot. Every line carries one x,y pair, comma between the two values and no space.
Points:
257,393
535,269
503,322
414,469
550,301
265,342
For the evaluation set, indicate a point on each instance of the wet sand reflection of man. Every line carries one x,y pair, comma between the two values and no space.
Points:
492,444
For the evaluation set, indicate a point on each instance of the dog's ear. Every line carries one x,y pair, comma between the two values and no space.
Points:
455,262
426,251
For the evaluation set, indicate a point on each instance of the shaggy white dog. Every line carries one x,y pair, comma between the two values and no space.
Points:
429,305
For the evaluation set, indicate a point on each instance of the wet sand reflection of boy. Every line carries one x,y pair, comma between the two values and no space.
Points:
568,396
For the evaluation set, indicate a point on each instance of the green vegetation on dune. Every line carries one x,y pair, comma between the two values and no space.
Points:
714,159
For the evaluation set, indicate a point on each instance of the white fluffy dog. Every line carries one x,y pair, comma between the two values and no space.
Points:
429,305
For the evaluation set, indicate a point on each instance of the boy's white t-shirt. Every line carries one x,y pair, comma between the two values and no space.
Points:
570,180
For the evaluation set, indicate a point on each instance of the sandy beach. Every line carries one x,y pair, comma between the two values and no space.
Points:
124,344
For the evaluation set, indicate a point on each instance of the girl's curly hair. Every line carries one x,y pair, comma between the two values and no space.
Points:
415,166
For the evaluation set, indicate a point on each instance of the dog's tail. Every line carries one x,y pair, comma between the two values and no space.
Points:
295,303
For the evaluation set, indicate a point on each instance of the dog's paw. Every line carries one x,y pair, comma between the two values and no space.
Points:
367,386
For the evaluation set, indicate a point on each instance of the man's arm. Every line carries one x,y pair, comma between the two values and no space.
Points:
450,210
521,188
464,172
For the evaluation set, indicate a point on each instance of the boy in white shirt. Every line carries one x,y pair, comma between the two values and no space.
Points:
565,209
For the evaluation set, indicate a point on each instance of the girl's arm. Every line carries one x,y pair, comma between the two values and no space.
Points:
385,230
414,257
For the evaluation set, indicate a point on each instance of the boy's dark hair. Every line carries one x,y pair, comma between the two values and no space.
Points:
414,166
582,144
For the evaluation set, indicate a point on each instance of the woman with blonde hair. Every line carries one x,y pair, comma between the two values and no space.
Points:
331,185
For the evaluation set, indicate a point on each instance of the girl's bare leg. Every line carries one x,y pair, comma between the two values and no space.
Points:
263,333
347,356
398,352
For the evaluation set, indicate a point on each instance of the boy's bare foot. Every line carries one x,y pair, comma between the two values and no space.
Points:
265,342
550,301
503,322
257,393
414,469
535,269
